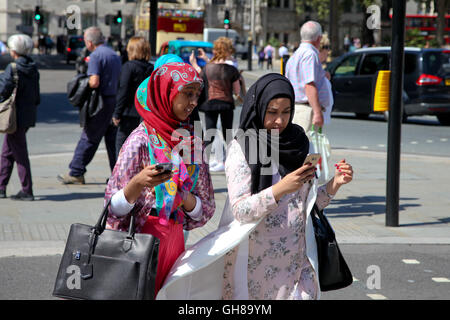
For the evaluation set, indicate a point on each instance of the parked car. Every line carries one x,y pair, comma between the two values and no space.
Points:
183,48
426,81
75,45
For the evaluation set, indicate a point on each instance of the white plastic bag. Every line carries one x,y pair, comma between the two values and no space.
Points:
320,144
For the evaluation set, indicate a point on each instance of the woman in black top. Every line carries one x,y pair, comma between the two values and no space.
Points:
27,99
222,81
134,71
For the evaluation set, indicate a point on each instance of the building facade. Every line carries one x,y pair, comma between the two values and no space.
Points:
73,16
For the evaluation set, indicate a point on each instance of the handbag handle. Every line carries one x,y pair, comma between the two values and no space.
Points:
314,129
100,226
323,219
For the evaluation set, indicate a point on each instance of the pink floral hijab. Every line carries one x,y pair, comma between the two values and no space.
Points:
153,101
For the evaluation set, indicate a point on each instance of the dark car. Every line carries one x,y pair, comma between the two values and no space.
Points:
75,45
426,81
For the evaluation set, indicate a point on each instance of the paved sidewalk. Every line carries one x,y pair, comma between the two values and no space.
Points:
357,213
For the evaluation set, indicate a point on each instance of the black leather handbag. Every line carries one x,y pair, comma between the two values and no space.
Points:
334,272
103,264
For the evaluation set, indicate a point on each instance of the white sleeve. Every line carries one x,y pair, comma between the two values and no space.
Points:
119,204
196,213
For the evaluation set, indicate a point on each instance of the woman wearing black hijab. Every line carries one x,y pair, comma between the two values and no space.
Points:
279,259
265,242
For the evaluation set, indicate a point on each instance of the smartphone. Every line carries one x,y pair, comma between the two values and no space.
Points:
312,158
165,167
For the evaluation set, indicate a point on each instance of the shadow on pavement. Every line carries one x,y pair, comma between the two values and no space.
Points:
71,196
363,206
441,221
55,108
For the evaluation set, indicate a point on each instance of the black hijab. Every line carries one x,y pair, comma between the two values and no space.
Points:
293,144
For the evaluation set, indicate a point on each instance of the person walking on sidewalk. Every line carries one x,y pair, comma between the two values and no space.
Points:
222,81
27,99
307,76
134,71
104,71
163,203
282,260
269,51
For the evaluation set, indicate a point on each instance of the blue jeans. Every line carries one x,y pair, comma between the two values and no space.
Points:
96,128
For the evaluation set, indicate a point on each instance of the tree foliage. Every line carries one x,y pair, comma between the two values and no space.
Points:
414,38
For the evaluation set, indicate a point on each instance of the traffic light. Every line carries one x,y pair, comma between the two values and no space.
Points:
37,15
118,17
226,19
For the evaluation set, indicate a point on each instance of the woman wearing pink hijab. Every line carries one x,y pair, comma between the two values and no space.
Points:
163,203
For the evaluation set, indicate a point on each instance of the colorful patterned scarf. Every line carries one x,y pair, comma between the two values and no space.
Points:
153,102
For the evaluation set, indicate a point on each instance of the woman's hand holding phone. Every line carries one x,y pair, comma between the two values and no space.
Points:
148,177
293,181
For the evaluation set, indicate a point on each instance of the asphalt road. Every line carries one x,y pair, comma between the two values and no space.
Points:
406,272
58,129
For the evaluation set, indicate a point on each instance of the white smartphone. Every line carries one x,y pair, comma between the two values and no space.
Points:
313,158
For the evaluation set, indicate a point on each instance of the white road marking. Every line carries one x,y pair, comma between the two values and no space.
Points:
364,147
444,139
429,141
381,145
376,296
440,279
411,281
411,261
354,279
414,142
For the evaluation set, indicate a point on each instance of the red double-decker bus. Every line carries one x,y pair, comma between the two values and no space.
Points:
427,23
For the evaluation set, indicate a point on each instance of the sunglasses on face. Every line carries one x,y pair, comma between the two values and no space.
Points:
325,47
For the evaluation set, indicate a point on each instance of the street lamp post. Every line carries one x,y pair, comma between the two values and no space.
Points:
251,39
395,113
153,25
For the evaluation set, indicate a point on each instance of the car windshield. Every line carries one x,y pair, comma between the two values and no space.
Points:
77,42
437,63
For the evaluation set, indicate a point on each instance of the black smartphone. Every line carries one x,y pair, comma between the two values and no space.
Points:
165,167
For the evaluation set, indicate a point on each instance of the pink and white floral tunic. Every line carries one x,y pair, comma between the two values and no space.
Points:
278,267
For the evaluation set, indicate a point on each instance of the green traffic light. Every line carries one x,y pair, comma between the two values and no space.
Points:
119,20
226,21
37,17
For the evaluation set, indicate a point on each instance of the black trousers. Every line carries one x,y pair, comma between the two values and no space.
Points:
226,118
97,127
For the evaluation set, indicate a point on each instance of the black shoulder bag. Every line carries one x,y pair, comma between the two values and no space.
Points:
103,264
333,270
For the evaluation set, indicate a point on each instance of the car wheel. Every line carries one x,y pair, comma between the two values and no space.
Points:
362,115
444,119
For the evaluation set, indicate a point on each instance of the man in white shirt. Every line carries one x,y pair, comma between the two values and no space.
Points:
282,51
307,76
